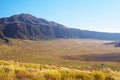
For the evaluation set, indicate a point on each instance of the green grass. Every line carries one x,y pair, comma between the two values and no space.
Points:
10,70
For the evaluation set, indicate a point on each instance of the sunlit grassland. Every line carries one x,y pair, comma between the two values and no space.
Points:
10,70
60,52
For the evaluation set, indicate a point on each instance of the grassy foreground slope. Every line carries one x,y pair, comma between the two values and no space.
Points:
10,70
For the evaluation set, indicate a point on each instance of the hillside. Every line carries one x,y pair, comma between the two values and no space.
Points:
23,71
117,44
26,26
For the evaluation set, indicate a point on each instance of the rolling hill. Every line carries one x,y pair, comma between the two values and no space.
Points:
26,26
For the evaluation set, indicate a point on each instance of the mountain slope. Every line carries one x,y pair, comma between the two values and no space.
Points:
26,26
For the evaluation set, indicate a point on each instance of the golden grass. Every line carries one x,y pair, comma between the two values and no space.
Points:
62,52
10,70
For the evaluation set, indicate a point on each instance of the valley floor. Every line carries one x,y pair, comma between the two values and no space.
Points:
80,54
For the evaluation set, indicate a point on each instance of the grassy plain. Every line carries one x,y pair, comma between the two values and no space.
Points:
82,59
72,53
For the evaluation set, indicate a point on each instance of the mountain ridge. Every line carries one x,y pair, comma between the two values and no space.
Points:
26,26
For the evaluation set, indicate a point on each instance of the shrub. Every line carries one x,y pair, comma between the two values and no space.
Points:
98,75
84,76
52,75
109,78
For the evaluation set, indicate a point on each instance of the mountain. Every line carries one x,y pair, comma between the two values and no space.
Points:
26,26
117,44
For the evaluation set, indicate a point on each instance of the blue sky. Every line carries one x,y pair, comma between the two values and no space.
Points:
95,15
